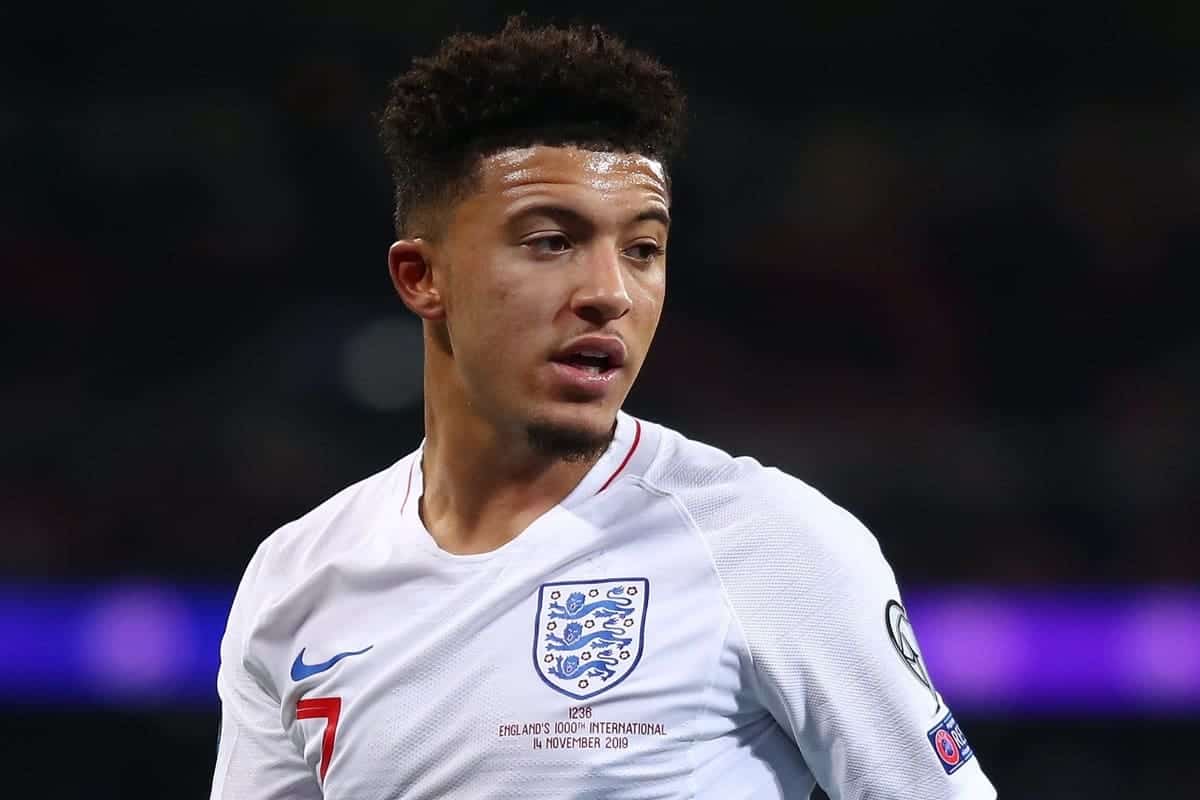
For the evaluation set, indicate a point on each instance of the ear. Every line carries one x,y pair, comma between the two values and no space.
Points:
411,267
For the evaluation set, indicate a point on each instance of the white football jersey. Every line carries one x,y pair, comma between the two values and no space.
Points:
684,624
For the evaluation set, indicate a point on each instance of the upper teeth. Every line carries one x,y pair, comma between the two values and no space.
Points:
593,354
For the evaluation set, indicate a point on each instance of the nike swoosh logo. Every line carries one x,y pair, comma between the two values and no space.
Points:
300,670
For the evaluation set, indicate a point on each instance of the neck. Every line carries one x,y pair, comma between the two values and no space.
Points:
483,485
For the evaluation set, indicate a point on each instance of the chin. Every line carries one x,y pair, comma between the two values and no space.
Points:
581,434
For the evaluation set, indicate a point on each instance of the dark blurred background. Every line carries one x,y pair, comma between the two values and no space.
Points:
933,260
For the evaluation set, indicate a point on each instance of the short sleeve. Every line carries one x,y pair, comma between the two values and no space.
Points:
835,659
255,758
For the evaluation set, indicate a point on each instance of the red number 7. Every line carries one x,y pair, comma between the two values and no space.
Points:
328,708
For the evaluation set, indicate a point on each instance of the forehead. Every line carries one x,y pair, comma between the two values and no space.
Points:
514,173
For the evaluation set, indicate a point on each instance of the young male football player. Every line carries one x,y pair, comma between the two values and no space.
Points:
550,598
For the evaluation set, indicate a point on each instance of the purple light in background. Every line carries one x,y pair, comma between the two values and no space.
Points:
1159,652
974,647
1082,652
125,644
135,640
989,651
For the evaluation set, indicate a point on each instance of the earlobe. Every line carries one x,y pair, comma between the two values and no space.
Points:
411,267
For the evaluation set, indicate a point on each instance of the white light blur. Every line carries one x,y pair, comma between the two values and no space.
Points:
381,364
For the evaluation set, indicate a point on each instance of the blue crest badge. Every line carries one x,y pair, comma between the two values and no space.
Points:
588,635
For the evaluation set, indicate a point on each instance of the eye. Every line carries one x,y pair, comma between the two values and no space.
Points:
548,244
645,251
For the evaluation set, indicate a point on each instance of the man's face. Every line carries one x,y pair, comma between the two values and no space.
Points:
554,271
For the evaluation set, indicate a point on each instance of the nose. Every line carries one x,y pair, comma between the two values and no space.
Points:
601,295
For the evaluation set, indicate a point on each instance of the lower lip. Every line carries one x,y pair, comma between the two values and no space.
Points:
586,382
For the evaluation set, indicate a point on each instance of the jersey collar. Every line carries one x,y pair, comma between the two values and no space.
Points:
630,452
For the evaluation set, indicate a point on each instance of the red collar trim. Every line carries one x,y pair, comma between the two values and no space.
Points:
637,437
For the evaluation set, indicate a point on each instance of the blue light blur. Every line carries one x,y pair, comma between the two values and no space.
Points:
995,653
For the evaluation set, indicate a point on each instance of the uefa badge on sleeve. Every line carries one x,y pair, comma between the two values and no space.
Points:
588,635
950,744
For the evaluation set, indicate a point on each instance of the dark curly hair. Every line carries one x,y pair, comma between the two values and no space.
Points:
522,86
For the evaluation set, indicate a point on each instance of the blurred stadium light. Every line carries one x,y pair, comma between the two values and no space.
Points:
990,652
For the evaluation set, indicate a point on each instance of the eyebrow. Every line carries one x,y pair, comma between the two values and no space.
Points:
571,216
654,214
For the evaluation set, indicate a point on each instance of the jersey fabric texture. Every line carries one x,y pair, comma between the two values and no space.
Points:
684,624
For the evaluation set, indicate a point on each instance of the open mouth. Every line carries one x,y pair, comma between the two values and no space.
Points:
590,365
592,359
592,362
